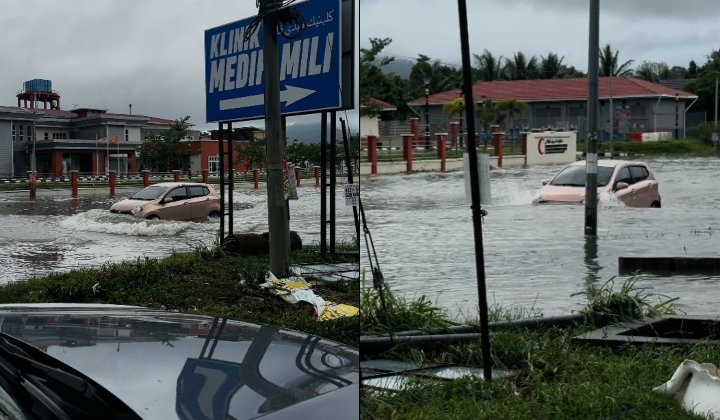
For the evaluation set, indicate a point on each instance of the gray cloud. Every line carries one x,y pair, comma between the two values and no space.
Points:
110,54
642,30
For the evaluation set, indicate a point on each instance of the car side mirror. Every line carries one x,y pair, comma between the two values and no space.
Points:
621,186
546,181
167,200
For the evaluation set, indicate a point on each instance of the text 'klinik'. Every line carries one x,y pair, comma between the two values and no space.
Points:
237,63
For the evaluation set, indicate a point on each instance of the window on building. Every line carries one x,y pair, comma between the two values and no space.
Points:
13,133
638,111
21,133
47,135
576,112
547,112
29,132
127,135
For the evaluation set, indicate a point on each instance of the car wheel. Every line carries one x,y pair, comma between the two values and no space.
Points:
214,215
153,217
655,205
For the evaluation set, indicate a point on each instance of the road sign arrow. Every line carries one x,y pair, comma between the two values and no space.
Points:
290,95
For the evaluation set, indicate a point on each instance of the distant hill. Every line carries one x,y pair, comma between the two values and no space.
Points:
310,132
400,66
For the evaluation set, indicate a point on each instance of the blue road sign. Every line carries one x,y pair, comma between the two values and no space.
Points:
310,66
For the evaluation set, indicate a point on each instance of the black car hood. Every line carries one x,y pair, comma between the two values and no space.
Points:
170,365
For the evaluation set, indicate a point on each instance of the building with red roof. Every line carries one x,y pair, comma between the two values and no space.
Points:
639,105
67,140
369,124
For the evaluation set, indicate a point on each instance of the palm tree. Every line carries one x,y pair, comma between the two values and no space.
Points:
455,107
552,67
513,108
520,68
488,67
609,64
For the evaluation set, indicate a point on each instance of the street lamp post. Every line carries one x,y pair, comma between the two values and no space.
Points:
427,113
677,129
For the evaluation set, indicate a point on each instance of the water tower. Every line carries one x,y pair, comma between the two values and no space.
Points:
38,90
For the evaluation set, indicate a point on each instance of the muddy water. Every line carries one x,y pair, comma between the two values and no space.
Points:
537,256
56,233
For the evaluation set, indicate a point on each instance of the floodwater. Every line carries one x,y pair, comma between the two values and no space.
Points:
537,256
57,233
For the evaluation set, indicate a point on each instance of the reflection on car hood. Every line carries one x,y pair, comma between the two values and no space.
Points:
127,204
170,365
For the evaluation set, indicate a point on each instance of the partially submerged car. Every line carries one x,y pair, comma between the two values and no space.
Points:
181,201
110,361
632,183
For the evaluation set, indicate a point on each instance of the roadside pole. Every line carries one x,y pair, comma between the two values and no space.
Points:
477,211
277,217
592,145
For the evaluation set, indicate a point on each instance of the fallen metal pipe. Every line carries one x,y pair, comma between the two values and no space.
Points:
561,321
377,345
373,345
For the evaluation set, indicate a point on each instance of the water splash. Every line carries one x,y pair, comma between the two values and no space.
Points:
101,221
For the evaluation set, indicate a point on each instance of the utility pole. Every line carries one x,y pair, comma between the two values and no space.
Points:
612,120
716,101
677,116
592,145
277,217
33,163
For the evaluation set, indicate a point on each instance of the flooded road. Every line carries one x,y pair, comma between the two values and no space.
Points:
537,256
58,233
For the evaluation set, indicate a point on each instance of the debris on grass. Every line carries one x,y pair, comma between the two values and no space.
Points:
296,289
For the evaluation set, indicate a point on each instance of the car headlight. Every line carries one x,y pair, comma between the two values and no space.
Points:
136,210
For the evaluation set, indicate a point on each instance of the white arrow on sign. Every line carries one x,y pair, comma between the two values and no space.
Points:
290,95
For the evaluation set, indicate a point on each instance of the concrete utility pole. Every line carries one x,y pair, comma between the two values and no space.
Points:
612,120
716,101
277,217
592,142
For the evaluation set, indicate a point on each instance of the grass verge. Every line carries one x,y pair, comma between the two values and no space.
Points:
556,378
684,147
205,281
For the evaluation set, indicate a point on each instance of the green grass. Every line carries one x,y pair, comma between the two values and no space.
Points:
555,377
206,281
682,147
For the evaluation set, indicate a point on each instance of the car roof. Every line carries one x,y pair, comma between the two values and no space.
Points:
611,163
177,184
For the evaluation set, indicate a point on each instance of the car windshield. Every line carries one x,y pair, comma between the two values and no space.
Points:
149,193
575,176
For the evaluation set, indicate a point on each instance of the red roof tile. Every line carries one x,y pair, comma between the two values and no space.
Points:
382,104
539,90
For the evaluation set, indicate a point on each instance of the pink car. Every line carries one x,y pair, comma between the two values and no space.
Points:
632,183
182,201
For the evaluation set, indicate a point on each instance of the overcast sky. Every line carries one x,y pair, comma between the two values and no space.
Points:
643,30
108,54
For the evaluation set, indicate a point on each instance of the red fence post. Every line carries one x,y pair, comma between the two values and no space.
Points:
498,145
146,178
317,176
256,177
112,183
523,146
74,183
372,154
442,151
176,175
32,184
414,122
454,130
408,151
206,176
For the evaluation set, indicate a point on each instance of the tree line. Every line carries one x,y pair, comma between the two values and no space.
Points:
398,90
